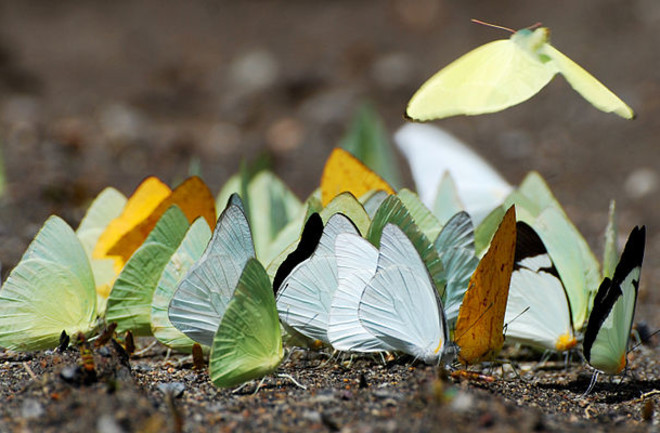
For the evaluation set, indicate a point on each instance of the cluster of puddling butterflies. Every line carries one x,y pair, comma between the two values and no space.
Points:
358,267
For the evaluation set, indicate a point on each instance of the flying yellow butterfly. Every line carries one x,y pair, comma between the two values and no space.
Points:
343,172
504,73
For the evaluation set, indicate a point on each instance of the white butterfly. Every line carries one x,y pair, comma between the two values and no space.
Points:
537,313
201,298
398,304
305,294
432,152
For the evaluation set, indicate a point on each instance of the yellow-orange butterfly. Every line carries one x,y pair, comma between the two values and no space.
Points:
344,172
479,327
143,210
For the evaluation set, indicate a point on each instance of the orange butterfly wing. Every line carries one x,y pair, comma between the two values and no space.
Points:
125,234
344,172
479,327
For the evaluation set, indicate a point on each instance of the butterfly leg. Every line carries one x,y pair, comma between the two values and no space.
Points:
295,382
261,382
594,378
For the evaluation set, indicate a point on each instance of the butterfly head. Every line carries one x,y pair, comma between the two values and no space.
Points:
531,40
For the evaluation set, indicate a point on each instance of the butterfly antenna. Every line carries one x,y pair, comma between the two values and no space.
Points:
514,319
535,26
641,341
495,26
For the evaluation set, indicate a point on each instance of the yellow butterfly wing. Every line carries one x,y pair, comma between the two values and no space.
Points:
345,173
146,198
132,227
490,78
479,327
587,85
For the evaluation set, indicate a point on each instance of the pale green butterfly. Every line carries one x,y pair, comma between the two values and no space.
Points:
271,206
575,262
608,330
504,73
107,206
191,249
131,297
248,342
50,290
455,247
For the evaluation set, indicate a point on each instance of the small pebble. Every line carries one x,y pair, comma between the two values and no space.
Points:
173,388
31,409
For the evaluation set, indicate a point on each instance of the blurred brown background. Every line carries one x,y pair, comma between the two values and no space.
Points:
105,93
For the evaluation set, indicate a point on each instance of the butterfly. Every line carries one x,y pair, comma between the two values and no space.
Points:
189,251
386,299
537,313
144,208
480,322
608,329
304,295
357,262
576,264
201,298
248,342
130,300
367,140
455,248
274,211
50,290
449,176
107,206
504,73
344,172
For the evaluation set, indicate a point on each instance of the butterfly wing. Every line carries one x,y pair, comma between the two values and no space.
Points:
248,343
202,296
587,85
479,327
189,251
606,337
305,296
107,206
145,200
432,153
193,197
455,247
50,290
490,78
400,305
577,267
272,206
537,311
344,172
129,303
357,260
